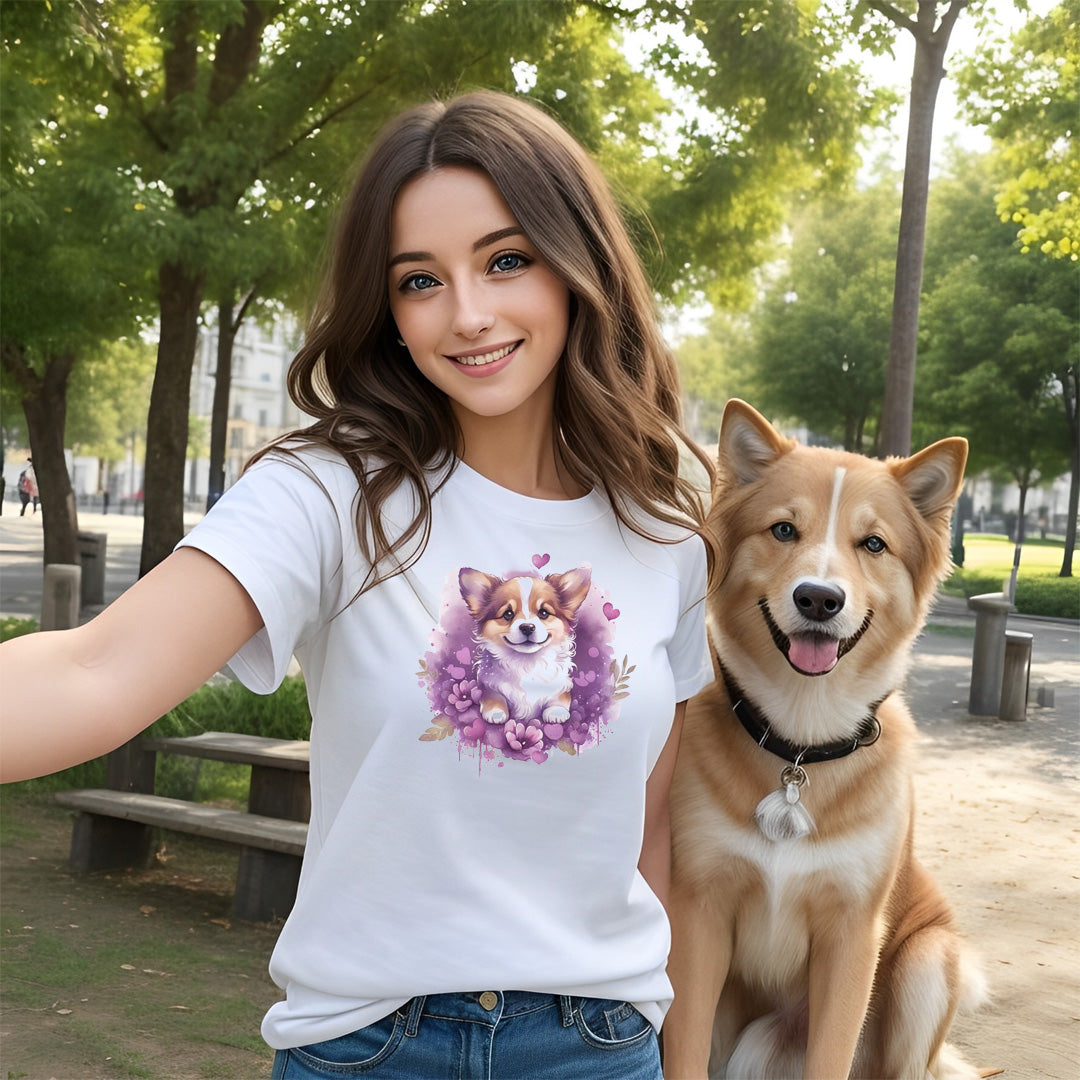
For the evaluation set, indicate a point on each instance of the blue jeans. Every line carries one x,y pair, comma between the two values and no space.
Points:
490,1036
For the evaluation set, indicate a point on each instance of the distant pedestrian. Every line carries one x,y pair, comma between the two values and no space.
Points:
28,489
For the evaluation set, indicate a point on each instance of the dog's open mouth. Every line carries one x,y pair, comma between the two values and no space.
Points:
811,653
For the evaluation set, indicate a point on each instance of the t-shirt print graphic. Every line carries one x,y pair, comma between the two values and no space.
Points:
523,664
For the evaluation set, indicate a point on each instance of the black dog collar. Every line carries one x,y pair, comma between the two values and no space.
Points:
760,730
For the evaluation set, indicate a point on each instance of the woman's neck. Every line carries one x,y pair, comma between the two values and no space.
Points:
519,457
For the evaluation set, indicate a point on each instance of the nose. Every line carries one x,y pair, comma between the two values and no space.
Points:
527,629
818,600
472,314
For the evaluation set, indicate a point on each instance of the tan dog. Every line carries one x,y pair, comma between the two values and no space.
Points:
807,939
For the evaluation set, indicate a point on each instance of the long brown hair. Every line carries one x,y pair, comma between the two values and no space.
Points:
617,402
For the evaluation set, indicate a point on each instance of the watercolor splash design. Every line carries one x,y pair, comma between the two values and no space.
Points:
450,673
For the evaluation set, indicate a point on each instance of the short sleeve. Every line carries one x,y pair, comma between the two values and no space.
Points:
688,649
278,532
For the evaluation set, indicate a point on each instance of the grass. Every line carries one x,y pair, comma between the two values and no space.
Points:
988,564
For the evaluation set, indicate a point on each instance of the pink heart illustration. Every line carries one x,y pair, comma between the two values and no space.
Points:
540,561
455,672
464,655
611,613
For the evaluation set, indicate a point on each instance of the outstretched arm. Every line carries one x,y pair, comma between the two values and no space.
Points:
72,695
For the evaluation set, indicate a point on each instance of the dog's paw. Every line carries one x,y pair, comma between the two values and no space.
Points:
556,714
495,715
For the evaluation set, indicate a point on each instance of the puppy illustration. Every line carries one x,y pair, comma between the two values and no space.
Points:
525,638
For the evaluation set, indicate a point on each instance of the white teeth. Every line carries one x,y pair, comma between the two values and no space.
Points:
486,358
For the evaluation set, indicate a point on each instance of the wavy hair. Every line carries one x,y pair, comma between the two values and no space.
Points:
617,400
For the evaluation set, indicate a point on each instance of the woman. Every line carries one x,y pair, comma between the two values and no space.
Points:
486,560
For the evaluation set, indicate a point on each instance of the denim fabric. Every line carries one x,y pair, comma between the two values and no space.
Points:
490,1036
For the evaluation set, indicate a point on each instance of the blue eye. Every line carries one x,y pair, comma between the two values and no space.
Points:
785,532
874,544
418,283
508,262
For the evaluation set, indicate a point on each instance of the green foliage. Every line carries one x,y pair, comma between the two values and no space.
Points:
1027,93
107,398
13,627
820,331
781,105
997,328
1036,593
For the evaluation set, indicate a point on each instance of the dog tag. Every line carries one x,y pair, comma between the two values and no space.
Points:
781,815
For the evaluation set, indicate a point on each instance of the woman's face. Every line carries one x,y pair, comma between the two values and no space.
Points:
482,315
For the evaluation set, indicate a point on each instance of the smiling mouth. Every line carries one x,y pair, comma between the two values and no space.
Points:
811,653
483,359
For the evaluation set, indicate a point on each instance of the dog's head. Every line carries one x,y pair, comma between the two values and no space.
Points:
826,555
524,615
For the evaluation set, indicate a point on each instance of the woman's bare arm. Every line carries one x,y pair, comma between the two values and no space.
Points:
72,695
655,860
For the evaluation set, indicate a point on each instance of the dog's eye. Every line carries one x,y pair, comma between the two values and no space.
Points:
544,613
508,615
874,544
785,532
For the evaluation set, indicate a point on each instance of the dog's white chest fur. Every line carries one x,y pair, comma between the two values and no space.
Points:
773,939
528,682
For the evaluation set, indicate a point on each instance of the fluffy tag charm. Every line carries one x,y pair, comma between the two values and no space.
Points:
781,815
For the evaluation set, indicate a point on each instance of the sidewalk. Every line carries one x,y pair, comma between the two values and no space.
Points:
998,808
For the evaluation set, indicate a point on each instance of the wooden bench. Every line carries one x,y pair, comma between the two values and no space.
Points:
112,829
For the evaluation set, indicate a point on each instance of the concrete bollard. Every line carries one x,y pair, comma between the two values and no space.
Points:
92,547
988,653
60,596
1017,675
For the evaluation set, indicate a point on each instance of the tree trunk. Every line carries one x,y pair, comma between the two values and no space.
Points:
219,416
1070,385
180,293
44,403
228,327
927,73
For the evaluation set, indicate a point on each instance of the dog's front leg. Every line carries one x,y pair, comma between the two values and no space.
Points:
698,966
842,965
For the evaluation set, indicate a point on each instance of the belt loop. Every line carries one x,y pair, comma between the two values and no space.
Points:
566,1007
416,1009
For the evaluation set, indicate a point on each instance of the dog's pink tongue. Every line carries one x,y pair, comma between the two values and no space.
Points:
813,654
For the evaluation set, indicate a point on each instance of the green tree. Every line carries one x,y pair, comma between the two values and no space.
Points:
779,107
999,328
69,282
821,330
1027,95
107,397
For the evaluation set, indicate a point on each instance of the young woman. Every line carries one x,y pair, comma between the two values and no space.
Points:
488,564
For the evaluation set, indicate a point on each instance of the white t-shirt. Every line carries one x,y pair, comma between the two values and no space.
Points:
453,846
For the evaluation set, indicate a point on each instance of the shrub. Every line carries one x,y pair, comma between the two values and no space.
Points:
15,627
1036,594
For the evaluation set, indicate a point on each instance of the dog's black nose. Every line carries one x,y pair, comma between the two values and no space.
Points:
819,600
527,629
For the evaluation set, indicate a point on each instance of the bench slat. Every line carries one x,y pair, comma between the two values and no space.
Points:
232,746
216,823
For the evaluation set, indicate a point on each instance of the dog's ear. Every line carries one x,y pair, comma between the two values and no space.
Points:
933,477
748,443
476,589
572,587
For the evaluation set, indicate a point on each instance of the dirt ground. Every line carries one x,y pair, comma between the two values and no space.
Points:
139,974
145,975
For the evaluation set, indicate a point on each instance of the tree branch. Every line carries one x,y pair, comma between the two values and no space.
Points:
323,120
897,18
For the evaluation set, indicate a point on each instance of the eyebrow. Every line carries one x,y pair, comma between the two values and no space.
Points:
485,241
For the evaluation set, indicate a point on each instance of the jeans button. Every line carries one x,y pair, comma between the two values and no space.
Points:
489,999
